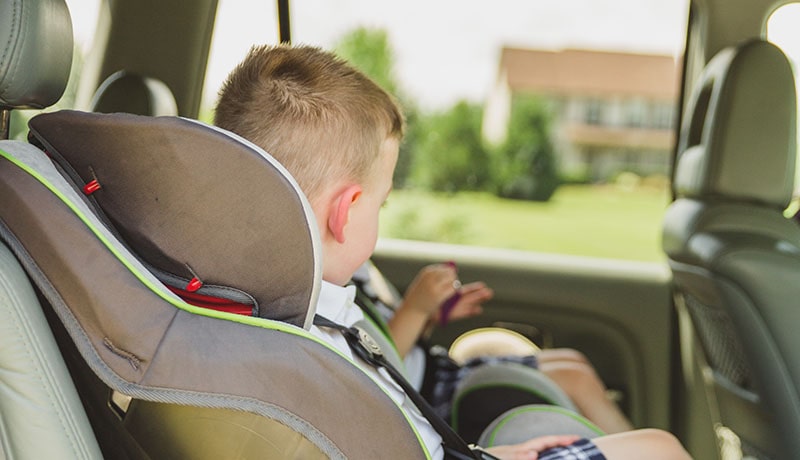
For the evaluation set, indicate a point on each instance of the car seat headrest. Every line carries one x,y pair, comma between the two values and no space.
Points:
210,214
129,92
738,142
36,37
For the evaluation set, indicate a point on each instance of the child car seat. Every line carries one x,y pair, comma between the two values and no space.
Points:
175,202
127,222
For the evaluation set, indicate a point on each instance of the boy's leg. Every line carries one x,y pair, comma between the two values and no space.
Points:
561,355
581,383
647,443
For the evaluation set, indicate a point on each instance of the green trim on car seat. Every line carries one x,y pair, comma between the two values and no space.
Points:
547,409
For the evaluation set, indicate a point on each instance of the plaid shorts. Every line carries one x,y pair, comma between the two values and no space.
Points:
582,449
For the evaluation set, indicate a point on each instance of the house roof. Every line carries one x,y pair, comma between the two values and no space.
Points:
600,73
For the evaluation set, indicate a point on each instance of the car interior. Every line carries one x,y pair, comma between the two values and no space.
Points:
731,249
167,315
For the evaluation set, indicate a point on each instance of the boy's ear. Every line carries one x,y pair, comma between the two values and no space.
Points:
340,211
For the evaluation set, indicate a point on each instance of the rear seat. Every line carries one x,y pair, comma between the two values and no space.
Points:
130,92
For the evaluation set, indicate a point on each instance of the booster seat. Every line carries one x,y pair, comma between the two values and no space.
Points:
197,204
160,377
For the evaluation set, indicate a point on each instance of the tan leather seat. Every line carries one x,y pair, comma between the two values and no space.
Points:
735,258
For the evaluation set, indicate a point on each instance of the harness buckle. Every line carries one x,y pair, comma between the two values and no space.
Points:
368,343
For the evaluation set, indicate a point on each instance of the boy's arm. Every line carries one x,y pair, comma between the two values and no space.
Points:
406,326
432,286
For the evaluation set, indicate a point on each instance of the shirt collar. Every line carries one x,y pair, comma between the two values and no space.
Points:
337,304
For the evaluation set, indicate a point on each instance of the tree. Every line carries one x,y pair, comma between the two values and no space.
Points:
451,156
370,51
524,165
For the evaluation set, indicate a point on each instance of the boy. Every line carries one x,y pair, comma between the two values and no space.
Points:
338,134
410,318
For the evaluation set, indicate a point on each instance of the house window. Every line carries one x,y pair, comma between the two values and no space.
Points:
663,115
594,112
636,113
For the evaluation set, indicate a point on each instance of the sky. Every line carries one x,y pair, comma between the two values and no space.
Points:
445,50
448,49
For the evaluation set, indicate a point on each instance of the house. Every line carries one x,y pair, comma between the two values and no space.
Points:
613,111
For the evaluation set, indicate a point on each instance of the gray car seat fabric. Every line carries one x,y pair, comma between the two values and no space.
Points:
735,257
489,390
204,384
132,93
40,413
150,195
522,423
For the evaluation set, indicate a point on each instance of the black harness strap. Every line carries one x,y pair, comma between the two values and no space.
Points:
367,305
368,350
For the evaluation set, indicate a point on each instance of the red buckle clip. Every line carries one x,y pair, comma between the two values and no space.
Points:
91,187
194,284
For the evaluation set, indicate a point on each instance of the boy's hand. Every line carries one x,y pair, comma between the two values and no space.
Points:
432,286
470,303
529,450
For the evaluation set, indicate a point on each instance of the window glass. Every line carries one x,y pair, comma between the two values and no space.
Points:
238,26
532,125
84,20
782,30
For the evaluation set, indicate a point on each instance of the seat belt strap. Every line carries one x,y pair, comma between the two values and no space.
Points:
365,347
367,304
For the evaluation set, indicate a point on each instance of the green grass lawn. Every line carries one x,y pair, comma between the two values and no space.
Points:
598,221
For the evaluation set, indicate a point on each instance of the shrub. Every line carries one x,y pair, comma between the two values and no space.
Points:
450,155
524,165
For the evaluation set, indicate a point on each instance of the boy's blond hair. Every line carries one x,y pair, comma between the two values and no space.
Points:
312,111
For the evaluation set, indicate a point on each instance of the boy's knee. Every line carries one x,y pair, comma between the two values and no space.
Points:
661,439
574,376
564,354
658,444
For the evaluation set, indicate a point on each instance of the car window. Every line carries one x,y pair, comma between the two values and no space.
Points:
238,26
782,31
539,126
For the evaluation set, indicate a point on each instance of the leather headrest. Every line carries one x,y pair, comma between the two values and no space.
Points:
133,93
36,37
738,141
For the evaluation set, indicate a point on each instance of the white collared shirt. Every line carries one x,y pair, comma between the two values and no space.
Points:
337,304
